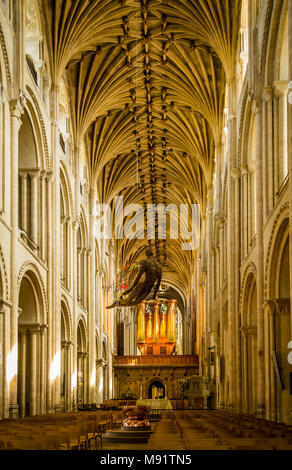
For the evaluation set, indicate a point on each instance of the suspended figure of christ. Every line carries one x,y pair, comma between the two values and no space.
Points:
138,291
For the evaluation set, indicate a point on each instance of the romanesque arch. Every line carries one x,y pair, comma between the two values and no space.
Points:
249,340
31,345
279,323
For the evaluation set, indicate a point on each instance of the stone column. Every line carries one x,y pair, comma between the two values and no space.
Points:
281,89
33,332
257,111
232,207
5,316
236,174
43,216
23,176
270,310
245,371
269,152
91,312
16,109
56,261
209,246
49,255
22,372
43,381
267,147
34,205
75,226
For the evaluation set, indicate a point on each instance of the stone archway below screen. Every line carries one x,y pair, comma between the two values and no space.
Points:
156,390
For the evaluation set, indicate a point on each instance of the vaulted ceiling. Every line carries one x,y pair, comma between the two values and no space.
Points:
147,82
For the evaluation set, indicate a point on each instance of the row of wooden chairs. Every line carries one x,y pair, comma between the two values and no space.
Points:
64,431
223,430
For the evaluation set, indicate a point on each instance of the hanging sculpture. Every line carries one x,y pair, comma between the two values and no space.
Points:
138,291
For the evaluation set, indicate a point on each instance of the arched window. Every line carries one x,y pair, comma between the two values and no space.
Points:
65,233
82,265
28,188
33,41
243,44
280,103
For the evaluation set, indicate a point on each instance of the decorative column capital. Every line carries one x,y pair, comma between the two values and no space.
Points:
43,329
17,106
49,176
3,304
101,362
256,106
248,330
269,307
281,88
235,173
76,224
34,329
33,172
244,169
268,93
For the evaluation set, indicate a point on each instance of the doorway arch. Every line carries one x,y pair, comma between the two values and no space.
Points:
156,390
280,325
31,347
249,342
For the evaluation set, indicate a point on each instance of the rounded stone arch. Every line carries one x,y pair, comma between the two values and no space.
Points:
273,28
66,318
4,281
279,244
4,62
30,272
83,228
81,334
245,128
150,382
248,311
66,189
31,127
250,273
224,190
249,301
279,303
281,218
43,139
